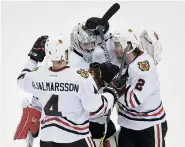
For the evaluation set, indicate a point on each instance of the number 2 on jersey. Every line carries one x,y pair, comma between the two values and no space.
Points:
140,84
51,107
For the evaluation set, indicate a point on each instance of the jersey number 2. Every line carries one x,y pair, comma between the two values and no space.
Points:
140,84
51,107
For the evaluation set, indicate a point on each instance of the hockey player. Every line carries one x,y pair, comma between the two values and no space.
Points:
85,56
78,57
67,95
141,114
148,40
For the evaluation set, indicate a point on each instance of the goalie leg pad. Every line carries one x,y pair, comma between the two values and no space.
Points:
30,121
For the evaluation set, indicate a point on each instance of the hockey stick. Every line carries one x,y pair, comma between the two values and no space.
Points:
29,140
123,65
112,10
123,62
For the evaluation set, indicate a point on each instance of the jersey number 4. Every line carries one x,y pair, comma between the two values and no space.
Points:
140,84
51,107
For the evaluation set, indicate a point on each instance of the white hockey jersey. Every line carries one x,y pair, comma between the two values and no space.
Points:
141,106
67,96
76,60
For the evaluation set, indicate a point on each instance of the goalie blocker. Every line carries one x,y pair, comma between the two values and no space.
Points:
30,121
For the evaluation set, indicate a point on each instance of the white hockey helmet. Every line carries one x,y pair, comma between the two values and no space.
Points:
55,48
151,44
128,37
82,40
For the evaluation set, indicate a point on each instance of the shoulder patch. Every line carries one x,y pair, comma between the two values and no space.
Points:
35,69
84,73
144,65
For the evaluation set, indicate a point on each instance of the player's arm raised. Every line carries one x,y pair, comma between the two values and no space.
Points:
36,54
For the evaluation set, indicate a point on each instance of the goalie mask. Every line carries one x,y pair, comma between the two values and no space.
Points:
150,43
83,41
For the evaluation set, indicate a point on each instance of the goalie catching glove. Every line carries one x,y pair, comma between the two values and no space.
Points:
37,52
151,44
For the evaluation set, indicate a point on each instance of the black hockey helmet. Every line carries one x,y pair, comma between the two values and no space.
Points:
92,23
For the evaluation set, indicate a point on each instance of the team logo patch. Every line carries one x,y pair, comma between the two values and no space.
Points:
35,69
84,73
130,30
144,65
59,41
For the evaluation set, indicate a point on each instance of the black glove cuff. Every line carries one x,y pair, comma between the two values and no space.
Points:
37,55
33,59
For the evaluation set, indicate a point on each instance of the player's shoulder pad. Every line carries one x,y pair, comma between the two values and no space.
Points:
84,73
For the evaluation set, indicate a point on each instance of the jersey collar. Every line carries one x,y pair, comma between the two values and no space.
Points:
138,55
60,69
75,51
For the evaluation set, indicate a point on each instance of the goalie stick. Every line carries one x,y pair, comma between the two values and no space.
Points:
124,64
112,10
29,140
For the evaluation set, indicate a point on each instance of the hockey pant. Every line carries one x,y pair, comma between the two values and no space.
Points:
150,137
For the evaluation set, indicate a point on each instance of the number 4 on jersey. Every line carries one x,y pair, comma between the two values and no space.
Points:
51,107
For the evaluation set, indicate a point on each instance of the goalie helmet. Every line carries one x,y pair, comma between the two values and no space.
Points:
83,41
150,43
55,48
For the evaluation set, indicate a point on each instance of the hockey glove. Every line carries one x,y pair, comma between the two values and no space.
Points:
37,52
96,74
30,121
108,71
116,87
92,24
95,69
